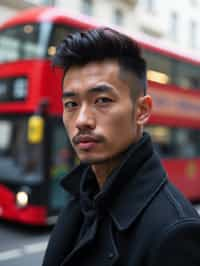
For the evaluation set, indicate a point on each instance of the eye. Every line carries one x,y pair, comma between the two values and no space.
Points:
103,100
70,105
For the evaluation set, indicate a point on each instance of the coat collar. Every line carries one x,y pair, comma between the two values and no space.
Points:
137,194
139,178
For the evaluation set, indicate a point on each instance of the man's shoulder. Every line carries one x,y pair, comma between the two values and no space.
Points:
176,204
174,226
168,207
178,244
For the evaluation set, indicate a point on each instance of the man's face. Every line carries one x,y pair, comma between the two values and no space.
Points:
99,114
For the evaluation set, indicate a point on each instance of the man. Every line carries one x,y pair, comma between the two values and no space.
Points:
123,211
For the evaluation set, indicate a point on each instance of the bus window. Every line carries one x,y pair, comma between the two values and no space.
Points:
187,75
188,142
19,160
159,67
13,89
164,70
58,34
62,161
24,42
175,142
162,140
6,130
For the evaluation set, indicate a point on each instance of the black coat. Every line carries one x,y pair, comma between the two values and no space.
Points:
138,219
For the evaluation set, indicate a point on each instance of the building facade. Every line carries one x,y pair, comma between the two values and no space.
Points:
175,23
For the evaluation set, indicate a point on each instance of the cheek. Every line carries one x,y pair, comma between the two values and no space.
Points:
119,122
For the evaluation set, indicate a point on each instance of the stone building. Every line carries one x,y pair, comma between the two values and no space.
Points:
174,23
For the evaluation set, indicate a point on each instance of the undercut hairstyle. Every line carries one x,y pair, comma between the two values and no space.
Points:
81,48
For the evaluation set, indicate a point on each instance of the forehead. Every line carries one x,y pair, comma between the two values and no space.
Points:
92,73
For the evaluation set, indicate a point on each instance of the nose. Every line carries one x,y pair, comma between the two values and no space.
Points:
85,119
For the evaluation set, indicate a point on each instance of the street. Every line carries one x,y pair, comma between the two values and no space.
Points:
22,245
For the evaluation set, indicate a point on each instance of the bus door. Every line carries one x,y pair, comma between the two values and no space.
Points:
62,162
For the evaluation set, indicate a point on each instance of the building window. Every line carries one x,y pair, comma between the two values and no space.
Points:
194,3
45,2
193,34
173,26
149,5
118,17
87,7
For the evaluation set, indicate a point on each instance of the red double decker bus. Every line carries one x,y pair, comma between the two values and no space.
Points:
34,149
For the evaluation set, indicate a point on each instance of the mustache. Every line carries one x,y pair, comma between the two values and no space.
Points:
86,137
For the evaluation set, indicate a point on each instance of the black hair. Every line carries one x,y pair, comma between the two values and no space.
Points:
98,44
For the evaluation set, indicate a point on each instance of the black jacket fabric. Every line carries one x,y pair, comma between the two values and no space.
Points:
137,219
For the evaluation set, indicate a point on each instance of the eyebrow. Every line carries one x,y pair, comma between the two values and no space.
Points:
97,89
68,94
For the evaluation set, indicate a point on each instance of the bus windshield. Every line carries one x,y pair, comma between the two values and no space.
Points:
24,42
19,160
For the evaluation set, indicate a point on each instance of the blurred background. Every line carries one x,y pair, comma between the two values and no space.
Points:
174,22
35,152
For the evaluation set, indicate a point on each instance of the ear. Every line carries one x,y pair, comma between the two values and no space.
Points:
144,109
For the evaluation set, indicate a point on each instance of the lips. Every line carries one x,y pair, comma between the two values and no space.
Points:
86,145
85,142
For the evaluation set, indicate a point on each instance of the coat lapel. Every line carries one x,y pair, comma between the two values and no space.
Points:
137,194
107,255
64,235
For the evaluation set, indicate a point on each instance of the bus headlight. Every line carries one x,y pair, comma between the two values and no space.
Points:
22,198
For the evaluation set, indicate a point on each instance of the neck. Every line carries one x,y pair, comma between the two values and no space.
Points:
103,170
